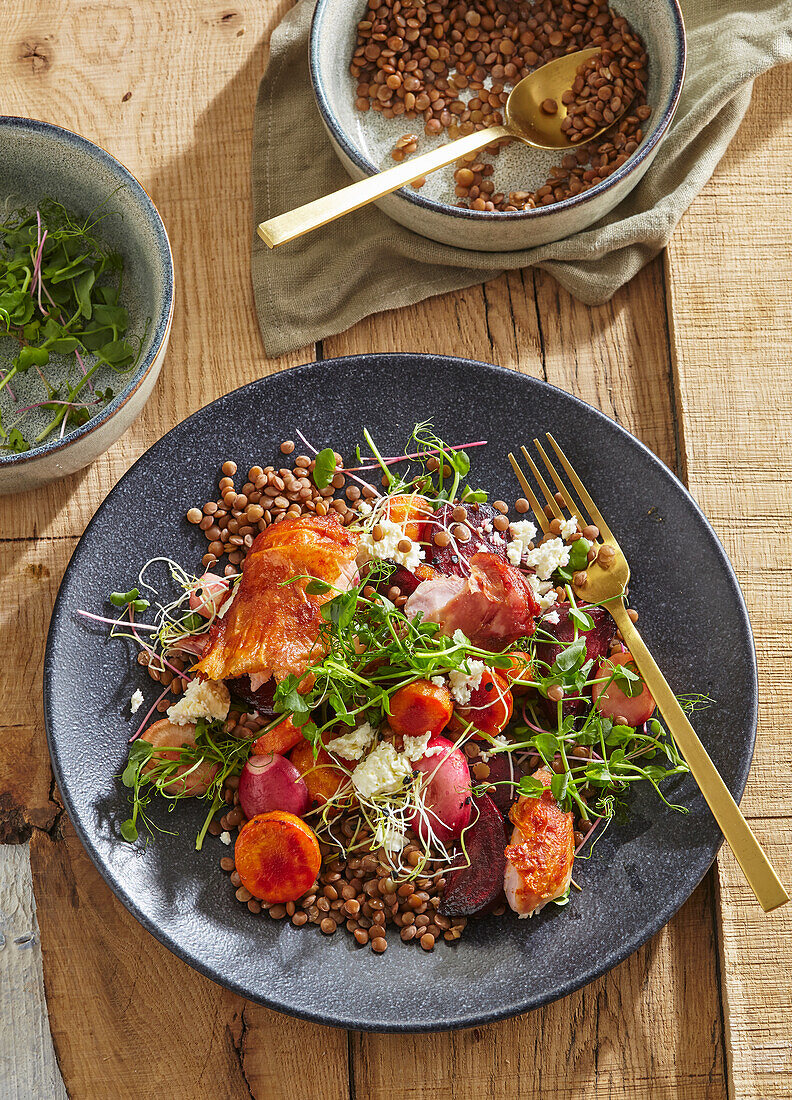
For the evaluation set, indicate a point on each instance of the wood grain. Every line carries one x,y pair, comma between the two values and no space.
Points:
653,1027
28,1066
730,273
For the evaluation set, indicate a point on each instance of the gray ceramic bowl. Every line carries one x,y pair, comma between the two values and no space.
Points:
363,141
44,161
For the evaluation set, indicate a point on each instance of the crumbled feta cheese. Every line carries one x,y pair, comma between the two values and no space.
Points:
522,533
387,547
438,681
352,745
543,591
382,772
225,837
389,836
548,557
463,684
202,699
136,702
415,747
551,617
569,527
497,743
364,508
497,538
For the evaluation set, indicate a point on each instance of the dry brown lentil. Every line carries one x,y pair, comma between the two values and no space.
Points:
404,68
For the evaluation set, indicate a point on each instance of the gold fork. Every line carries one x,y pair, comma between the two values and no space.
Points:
606,579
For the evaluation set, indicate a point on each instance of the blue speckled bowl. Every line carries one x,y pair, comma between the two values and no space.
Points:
363,141
44,161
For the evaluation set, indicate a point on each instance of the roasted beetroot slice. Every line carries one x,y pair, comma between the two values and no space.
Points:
598,643
473,888
501,774
405,579
262,699
445,559
598,640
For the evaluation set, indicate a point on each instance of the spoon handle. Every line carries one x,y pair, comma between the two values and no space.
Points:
293,224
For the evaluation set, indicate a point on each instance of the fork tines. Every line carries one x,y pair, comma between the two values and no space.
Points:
545,515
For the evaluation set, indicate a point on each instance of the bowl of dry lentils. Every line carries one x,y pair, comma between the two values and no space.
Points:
397,77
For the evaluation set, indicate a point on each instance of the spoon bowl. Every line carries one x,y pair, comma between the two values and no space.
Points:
526,115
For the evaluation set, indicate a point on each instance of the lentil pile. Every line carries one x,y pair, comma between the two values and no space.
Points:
355,889
452,64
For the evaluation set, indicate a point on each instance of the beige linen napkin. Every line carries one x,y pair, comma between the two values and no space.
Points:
324,282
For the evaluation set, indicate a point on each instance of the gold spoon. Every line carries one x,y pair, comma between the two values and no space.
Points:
526,121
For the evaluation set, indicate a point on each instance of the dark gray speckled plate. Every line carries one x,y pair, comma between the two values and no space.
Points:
692,612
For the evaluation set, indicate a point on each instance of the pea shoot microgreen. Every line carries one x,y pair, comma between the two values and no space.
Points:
368,648
371,650
60,295
149,772
324,468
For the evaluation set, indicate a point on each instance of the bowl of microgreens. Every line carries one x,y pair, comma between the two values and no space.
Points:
86,301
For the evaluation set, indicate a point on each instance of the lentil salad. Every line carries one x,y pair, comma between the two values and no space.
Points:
453,691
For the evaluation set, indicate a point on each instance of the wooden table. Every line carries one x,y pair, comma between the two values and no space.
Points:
691,356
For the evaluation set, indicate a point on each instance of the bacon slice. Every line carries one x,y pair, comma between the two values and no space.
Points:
453,559
272,628
540,856
493,606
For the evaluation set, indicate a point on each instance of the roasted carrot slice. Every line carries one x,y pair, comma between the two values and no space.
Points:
411,511
613,703
167,739
520,672
280,739
490,707
322,776
420,707
277,857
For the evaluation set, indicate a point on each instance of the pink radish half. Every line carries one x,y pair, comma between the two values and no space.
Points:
209,594
272,782
446,794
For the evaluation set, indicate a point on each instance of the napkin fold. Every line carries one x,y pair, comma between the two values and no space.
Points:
324,282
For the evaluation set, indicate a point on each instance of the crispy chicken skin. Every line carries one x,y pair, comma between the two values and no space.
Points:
541,853
272,628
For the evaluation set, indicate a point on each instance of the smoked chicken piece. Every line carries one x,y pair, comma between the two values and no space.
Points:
541,853
272,628
452,559
493,606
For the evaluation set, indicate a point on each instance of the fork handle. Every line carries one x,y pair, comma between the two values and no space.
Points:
755,865
286,227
